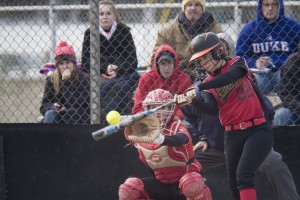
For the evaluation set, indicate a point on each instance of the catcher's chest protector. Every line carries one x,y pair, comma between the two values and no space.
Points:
157,156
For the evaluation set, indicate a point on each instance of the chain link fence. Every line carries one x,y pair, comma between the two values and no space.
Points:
29,32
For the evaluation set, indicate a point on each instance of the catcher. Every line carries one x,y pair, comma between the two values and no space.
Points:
165,146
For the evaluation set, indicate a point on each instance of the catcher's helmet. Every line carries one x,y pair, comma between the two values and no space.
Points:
207,42
156,98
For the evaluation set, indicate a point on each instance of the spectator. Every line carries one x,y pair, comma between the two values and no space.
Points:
289,92
192,20
170,157
66,95
165,74
118,61
229,90
267,41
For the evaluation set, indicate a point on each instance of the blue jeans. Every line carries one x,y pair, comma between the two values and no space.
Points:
71,116
268,82
285,117
116,94
51,117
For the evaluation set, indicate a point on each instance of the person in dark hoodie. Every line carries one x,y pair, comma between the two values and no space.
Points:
289,92
165,74
66,97
192,20
267,41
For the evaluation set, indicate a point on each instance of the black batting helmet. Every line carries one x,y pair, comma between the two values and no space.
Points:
207,42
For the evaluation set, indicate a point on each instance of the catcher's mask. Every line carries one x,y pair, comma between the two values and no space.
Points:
156,98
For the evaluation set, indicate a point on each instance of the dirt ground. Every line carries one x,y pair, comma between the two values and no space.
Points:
20,99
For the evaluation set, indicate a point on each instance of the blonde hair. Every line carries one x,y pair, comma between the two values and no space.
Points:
116,13
56,78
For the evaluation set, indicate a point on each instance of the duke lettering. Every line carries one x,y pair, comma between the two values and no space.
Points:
270,46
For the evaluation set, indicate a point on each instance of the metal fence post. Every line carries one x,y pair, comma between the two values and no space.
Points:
52,26
95,61
237,18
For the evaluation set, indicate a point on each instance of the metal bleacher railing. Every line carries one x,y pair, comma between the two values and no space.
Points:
29,34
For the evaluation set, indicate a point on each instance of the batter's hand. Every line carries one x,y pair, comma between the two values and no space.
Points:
201,144
187,97
181,99
192,92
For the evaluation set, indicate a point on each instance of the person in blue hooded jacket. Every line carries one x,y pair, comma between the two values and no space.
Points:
267,41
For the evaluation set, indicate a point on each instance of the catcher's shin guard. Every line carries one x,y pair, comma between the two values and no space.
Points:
193,187
133,189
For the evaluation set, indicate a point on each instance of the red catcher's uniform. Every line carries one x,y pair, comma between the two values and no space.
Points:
229,98
170,163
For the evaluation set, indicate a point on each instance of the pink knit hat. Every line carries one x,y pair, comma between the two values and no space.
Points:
64,51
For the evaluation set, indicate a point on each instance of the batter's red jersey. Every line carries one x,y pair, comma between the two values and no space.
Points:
237,101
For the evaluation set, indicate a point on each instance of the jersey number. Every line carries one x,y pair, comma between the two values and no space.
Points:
244,92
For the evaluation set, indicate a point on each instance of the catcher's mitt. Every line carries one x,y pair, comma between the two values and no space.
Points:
145,130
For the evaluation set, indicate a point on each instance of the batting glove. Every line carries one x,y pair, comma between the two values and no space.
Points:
185,99
192,92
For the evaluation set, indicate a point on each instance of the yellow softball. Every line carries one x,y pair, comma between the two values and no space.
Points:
113,117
